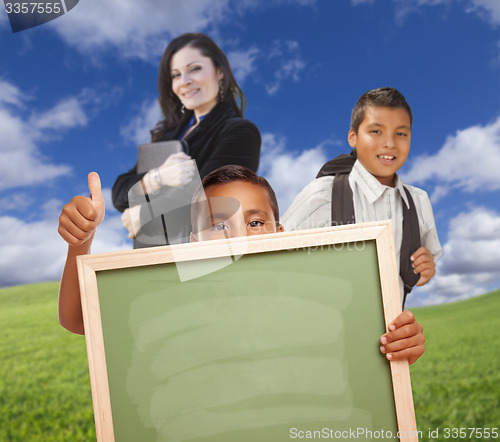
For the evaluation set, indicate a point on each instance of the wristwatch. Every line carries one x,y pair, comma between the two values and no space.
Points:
156,177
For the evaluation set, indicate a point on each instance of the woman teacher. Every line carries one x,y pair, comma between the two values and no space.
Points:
203,106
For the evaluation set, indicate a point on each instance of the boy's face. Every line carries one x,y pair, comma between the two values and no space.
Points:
235,209
382,141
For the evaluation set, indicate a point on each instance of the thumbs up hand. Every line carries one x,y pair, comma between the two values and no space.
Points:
81,216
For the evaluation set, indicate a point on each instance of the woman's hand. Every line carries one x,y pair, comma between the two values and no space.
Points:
177,170
131,219
81,216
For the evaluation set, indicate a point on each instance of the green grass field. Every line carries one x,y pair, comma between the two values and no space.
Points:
456,383
44,381
45,389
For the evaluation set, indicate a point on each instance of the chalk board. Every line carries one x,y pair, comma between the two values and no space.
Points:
262,338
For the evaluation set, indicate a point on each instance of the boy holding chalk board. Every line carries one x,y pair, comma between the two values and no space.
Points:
364,186
240,203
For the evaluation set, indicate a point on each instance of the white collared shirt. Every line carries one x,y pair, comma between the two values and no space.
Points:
312,208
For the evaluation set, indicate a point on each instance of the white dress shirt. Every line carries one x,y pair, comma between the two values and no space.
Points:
373,201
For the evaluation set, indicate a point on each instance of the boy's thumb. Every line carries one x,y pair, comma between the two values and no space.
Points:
95,186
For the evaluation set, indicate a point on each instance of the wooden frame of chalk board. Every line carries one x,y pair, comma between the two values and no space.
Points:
109,309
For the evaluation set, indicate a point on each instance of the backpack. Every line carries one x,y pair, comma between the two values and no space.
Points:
343,213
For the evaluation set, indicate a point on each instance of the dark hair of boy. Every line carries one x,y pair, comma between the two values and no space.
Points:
228,174
381,97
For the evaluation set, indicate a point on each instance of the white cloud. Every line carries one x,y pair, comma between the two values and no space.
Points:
405,7
137,130
488,10
303,2
439,192
451,288
142,30
243,62
18,201
10,94
137,30
473,243
30,252
469,160
34,252
287,61
288,172
111,235
98,99
282,56
4,21
66,114
469,265
21,161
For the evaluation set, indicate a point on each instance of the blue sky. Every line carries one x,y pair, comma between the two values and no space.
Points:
79,93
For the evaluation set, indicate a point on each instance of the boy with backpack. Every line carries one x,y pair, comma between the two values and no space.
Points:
363,186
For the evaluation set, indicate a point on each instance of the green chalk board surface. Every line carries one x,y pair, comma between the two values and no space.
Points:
273,342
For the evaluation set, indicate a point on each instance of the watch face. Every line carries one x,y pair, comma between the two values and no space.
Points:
156,177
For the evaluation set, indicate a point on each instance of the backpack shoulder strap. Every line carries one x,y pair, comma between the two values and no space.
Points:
343,209
409,244
340,167
340,164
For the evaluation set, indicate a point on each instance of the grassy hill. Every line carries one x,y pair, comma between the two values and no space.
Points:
45,388
456,383
44,381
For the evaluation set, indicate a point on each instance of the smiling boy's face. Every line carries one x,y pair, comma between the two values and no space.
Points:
382,141
235,209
